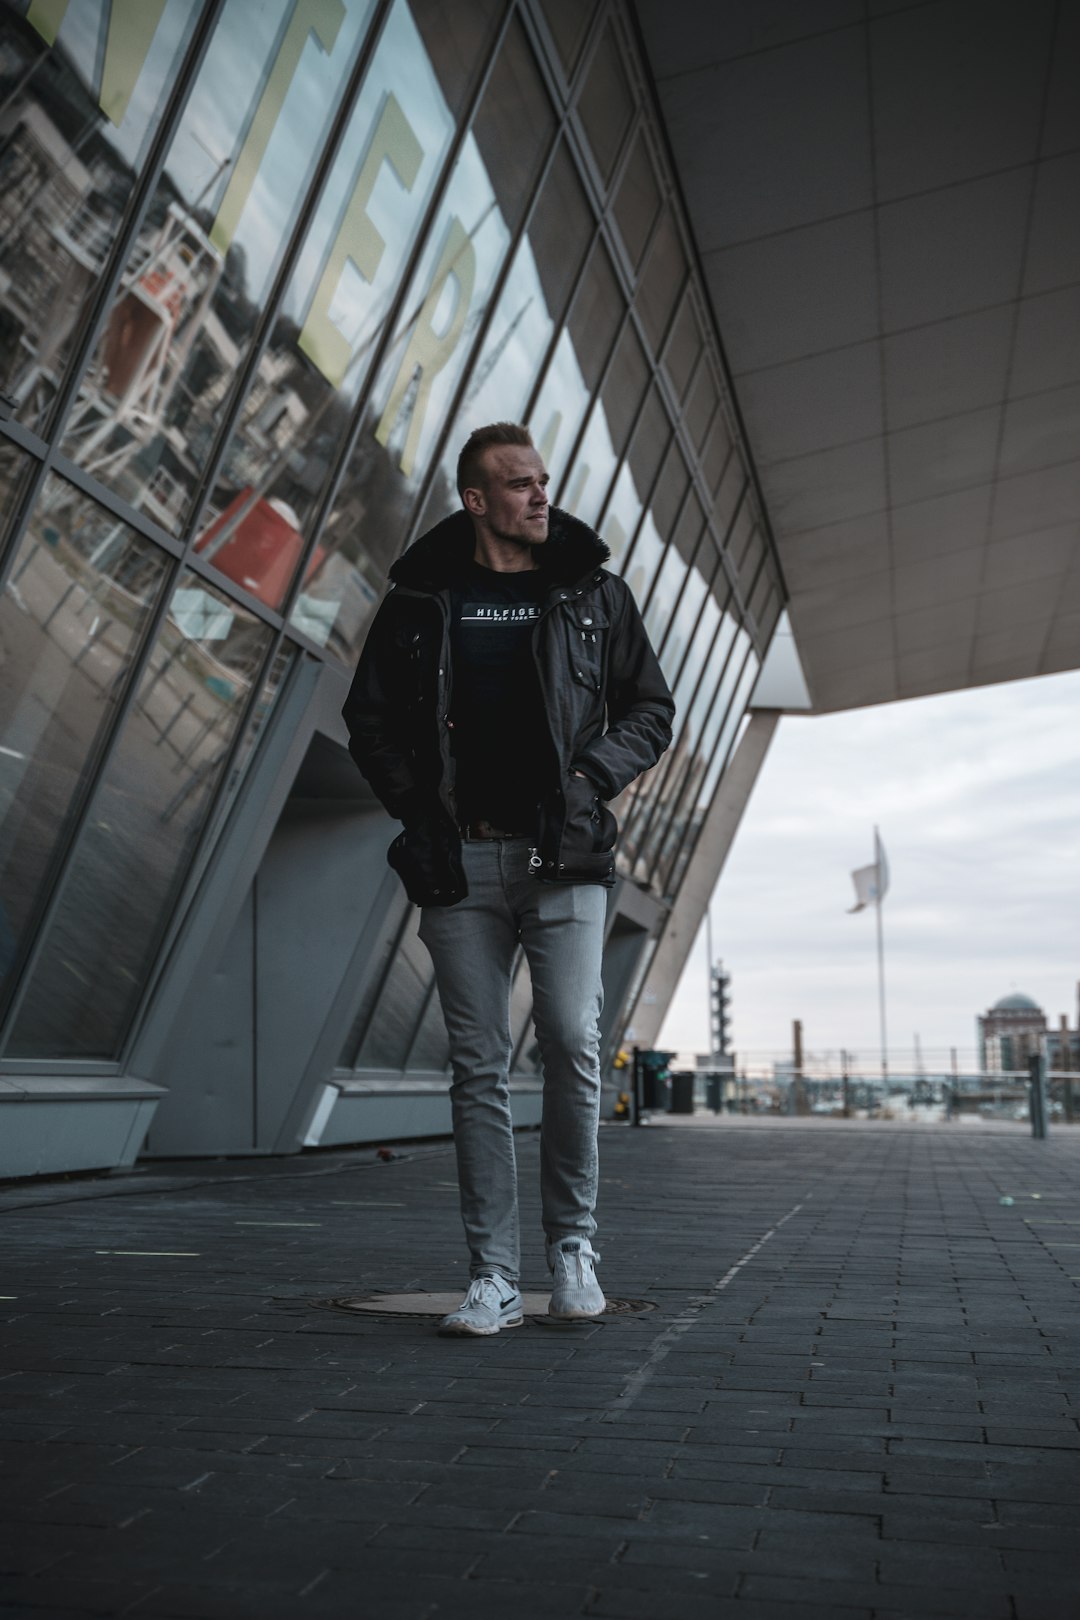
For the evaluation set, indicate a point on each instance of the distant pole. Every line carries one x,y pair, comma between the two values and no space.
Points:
881,986
708,976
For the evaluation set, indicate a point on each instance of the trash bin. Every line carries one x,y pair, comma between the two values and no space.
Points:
682,1092
712,1092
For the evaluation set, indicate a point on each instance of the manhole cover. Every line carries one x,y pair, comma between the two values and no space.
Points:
442,1304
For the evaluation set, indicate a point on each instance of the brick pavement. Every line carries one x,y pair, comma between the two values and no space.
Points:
857,1396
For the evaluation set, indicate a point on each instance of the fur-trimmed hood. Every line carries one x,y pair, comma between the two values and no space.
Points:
442,555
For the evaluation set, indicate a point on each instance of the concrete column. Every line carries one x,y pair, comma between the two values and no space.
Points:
706,865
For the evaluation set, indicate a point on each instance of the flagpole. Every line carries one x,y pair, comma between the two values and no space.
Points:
881,962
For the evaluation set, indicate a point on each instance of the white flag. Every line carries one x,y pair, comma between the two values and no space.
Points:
871,882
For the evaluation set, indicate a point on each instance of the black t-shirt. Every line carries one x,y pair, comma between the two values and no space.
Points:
499,738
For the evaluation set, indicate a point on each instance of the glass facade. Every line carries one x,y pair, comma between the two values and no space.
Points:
264,264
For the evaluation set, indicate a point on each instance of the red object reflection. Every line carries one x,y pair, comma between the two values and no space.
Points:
257,543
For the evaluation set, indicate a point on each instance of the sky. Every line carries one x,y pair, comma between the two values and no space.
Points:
977,798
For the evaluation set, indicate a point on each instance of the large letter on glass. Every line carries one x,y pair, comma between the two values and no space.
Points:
132,25
429,350
358,241
323,18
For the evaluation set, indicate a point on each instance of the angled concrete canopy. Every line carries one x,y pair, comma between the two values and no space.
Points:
886,201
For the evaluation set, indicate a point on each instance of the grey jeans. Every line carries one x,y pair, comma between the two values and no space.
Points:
473,946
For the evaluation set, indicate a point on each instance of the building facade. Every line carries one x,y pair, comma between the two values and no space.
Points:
262,270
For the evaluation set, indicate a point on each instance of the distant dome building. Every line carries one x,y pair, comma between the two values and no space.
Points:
1010,1033
1016,1028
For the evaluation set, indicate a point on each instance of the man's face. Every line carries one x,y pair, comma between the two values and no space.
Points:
514,494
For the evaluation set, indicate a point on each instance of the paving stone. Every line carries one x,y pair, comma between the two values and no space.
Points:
834,1433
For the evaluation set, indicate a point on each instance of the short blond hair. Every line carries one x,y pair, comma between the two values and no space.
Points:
469,464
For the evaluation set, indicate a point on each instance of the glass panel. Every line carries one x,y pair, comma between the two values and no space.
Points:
606,105
750,562
334,309
387,950
574,373
569,21
489,190
264,703
674,632
401,1003
624,386
731,505
762,593
637,201
531,304
688,821
712,704
699,408
123,881
693,688
717,453
456,39
649,444
683,347
770,613
15,469
79,597
78,120
665,271
238,171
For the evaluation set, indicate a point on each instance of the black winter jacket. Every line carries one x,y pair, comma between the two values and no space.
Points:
607,703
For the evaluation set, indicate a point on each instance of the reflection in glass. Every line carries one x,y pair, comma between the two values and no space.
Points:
683,348
665,271
133,853
685,789
532,302
238,171
464,252
694,689
606,105
577,365
82,99
702,402
637,200
698,809
79,596
333,313
15,469
569,22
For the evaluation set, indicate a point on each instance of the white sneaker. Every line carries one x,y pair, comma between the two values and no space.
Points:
575,1292
491,1304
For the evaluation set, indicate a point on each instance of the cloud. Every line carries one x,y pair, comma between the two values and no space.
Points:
977,795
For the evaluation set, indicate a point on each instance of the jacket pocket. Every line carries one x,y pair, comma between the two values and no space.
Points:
427,858
586,849
585,633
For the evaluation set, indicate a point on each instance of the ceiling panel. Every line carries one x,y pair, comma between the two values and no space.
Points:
1048,341
815,404
953,251
1053,255
827,487
818,293
936,457
761,150
957,90
722,32
948,367
1041,430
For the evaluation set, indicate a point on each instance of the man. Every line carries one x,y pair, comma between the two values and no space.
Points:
506,690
